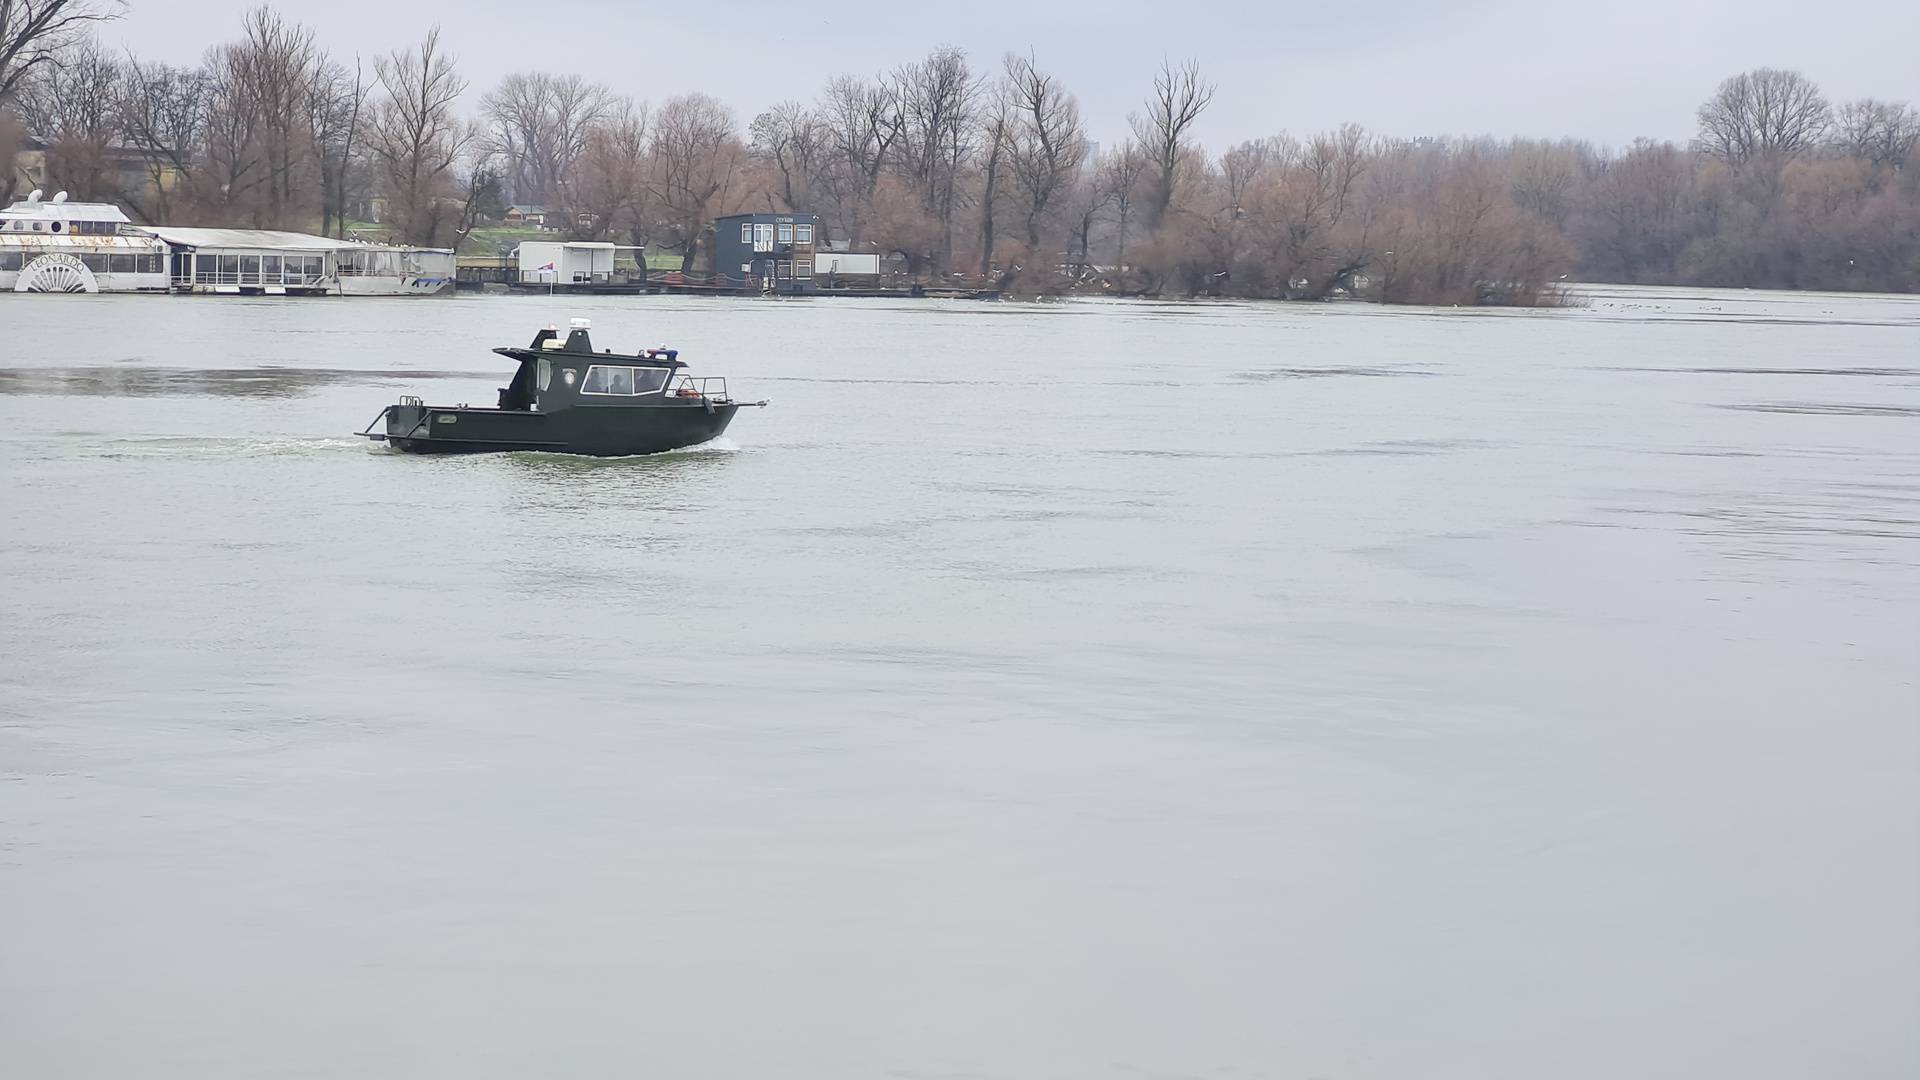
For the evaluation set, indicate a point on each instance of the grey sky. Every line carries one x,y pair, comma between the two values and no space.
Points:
1607,72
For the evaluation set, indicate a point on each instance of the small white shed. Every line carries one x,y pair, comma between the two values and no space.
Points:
565,262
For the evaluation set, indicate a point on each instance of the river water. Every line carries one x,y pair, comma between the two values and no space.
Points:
1077,690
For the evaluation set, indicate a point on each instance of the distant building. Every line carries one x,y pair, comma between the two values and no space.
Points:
133,172
773,250
542,217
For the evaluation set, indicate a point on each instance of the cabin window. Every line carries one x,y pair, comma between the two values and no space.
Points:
120,264
316,266
746,232
9,260
786,232
55,226
249,268
95,263
204,269
153,264
270,268
803,234
763,237
623,381
546,373
229,269
36,226
802,268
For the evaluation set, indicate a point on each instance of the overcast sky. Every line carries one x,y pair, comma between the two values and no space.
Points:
1608,72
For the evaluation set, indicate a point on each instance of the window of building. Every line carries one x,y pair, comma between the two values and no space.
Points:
802,268
803,234
120,264
786,232
763,237
746,232
785,269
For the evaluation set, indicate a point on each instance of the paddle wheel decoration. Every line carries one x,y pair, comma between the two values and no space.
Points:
56,273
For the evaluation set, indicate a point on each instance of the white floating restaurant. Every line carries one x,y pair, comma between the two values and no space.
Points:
52,245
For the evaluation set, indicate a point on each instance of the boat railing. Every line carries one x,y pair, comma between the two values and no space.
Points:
711,387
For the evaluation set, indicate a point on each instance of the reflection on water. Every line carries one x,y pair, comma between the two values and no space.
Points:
149,381
1327,373
1822,408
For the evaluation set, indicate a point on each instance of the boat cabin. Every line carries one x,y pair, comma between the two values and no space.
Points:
563,373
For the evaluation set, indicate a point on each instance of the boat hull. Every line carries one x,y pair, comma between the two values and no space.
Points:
598,432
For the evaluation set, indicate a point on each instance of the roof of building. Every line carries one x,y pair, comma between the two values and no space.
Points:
796,215
244,238
47,210
525,209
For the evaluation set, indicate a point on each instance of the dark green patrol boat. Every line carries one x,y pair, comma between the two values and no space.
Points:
568,399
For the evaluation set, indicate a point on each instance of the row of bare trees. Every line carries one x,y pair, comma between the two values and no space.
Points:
268,130
981,175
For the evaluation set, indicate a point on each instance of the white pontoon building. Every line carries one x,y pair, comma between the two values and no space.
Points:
250,261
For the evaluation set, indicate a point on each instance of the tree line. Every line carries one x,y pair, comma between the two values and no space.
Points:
969,172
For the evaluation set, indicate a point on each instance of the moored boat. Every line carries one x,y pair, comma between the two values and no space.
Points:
567,398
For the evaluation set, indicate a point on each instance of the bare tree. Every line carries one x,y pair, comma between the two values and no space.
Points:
165,113
1766,113
231,168
276,62
1179,96
75,105
697,157
938,100
416,138
606,183
1047,142
996,130
33,32
539,123
1881,133
793,144
864,122
334,103
1547,176
1120,172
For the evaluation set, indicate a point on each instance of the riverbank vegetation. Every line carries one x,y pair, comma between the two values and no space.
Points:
966,173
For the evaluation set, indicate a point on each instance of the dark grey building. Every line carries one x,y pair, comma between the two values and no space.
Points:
767,250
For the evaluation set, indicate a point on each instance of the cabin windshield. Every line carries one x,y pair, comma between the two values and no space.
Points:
623,381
